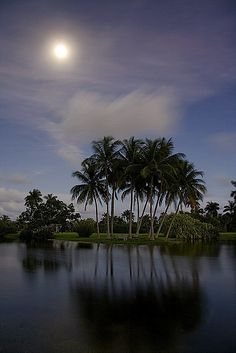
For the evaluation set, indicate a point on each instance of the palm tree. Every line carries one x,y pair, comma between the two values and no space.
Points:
230,209
158,163
50,198
115,180
166,164
91,189
130,152
106,151
125,215
33,199
233,193
150,172
189,187
212,208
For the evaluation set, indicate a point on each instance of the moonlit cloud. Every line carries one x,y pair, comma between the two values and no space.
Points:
91,116
70,153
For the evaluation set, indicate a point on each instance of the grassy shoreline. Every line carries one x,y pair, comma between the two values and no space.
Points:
117,239
121,239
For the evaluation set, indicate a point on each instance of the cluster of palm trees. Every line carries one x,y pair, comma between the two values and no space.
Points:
228,217
147,171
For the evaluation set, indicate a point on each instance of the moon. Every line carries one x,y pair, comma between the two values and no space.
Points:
61,51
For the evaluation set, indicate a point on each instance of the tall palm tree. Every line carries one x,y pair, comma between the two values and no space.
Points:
91,189
166,163
212,208
150,172
105,152
131,155
158,163
190,187
115,179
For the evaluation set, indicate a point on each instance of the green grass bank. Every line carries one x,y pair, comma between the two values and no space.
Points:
123,238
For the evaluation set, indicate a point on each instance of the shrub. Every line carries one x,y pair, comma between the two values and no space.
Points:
7,227
26,234
187,228
85,227
40,234
43,233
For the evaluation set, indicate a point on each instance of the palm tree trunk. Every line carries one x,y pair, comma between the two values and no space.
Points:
108,218
96,209
141,220
172,221
151,222
131,212
154,213
151,213
112,210
137,209
157,202
162,221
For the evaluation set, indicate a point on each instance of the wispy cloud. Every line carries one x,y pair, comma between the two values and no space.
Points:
223,141
15,179
90,116
11,202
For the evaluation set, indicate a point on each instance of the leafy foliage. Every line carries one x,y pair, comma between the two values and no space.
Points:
85,227
7,226
43,215
186,227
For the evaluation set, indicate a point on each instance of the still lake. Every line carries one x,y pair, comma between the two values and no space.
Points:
70,297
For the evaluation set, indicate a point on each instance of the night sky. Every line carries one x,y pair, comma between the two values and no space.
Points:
135,68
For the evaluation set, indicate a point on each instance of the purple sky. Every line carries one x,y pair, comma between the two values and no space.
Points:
138,67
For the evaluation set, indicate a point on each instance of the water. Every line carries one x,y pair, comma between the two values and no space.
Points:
66,297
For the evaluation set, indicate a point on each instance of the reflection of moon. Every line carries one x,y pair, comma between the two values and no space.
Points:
61,51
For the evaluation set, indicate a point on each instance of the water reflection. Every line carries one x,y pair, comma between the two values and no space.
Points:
126,301
138,318
192,250
128,298
49,256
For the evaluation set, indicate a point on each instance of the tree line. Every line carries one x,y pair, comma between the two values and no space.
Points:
148,172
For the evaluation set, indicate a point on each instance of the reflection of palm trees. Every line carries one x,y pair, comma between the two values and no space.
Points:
139,318
142,309
45,257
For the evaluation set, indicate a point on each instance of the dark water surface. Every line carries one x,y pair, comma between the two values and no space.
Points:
66,297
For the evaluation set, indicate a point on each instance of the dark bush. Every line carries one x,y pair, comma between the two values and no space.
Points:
26,234
85,227
7,227
42,233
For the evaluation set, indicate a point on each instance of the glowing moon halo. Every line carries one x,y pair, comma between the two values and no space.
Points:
61,51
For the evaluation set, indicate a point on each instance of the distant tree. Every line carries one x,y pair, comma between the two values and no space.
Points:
212,209
233,193
126,216
7,226
40,215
